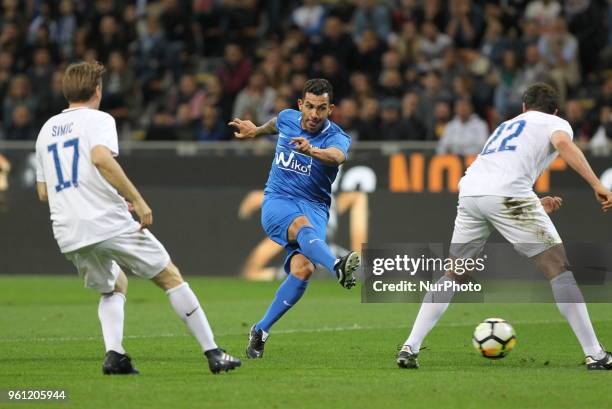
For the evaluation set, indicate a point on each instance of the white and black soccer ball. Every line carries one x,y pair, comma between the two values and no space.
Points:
494,338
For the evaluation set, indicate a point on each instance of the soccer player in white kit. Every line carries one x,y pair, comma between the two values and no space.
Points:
496,192
87,191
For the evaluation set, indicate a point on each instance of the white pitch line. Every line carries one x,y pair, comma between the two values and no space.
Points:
354,327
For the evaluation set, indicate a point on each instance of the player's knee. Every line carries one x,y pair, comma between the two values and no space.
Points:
301,267
552,262
121,285
295,227
169,278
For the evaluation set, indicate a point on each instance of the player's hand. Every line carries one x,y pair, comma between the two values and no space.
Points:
604,197
551,203
144,213
301,144
246,129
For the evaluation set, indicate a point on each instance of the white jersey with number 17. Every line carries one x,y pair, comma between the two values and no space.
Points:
514,156
85,208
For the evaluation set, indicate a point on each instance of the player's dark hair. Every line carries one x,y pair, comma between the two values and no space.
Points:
541,97
318,86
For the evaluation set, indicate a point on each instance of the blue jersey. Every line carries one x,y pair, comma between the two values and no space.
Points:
295,175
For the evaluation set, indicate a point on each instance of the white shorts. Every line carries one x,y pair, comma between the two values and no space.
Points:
522,221
99,264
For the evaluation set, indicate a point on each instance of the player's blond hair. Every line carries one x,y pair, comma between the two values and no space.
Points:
81,79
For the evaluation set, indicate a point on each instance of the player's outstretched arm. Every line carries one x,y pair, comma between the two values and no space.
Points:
110,170
577,161
329,156
247,129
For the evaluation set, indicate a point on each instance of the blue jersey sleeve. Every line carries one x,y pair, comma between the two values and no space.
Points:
339,140
284,117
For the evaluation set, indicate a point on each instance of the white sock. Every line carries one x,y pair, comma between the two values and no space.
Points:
187,306
571,304
110,312
434,305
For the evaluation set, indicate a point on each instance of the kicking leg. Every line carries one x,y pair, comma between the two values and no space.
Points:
187,307
287,295
316,250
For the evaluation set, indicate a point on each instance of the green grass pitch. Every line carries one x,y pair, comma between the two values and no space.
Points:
330,351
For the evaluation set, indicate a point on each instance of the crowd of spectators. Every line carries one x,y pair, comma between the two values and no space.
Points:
401,69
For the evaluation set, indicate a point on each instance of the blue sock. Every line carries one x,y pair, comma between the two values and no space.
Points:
289,293
315,249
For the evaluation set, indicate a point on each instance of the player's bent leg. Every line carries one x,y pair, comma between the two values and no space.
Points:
570,302
187,307
314,247
287,295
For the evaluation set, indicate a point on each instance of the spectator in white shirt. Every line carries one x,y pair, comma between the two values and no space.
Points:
466,133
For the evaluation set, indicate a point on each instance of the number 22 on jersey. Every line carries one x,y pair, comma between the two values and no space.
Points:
510,131
62,183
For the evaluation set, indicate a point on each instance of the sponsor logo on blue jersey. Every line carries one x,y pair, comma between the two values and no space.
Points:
293,161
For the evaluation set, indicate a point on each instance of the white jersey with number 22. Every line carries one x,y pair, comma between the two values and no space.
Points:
514,156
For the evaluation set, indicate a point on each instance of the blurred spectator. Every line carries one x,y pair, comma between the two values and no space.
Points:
309,17
370,128
574,113
361,87
335,74
432,94
41,71
19,94
239,19
190,94
371,15
55,101
407,44
66,28
336,41
149,58
432,43
212,127
21,127
412,127
465,134
508,99
543,12
559,50
533,70
347,116
118,88
236,70
257,98
466,23
390,84
108,38
369,53
584,20
391,128
441,116
494,42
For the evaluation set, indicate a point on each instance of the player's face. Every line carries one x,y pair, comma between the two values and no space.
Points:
315,110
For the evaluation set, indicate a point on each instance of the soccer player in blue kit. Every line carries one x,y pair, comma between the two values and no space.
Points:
297,197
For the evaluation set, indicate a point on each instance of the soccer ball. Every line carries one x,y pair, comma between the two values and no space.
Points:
494,338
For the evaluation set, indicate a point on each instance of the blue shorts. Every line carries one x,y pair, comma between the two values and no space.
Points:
277,214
